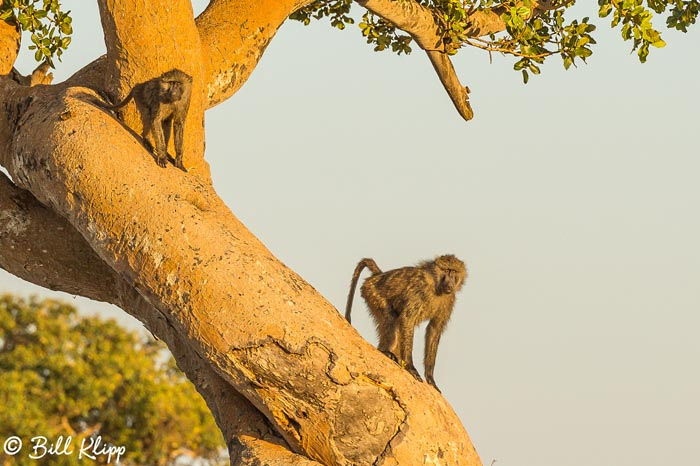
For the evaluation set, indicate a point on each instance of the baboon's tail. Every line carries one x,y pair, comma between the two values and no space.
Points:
372,266
122,103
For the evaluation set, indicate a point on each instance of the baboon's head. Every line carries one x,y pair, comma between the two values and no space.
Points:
170,91
451,274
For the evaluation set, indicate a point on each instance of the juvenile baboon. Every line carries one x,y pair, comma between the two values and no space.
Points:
163,103
401,299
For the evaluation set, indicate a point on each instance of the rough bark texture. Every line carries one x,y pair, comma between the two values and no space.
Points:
43,248
132,59
282,371
231,47
9,45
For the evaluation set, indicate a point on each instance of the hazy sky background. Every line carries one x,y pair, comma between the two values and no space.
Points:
574,201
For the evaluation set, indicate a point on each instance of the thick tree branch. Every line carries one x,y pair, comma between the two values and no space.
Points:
146,41
411,17
234,35
488,21
204,276
170,236
43,248
9,45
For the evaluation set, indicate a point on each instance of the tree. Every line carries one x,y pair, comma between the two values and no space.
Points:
77,376
237,320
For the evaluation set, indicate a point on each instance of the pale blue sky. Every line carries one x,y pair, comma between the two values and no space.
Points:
574,201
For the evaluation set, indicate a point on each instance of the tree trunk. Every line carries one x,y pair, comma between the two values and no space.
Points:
90,212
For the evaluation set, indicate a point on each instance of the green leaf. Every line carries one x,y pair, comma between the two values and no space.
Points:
88,372
523,12
567,62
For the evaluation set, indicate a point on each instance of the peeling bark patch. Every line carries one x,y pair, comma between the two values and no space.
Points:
377,421
316,395
224,81
13,223
295,368
231,78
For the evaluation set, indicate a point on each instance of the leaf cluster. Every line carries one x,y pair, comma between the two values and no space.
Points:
532,33
635,21
64,374
338,13
534,37
682,14
49,25
384,35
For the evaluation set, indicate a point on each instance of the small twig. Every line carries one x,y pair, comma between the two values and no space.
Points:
493,48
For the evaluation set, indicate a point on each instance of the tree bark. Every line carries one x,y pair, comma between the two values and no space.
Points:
282,371
43,248
9,45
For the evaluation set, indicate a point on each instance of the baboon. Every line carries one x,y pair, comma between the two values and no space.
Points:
163,103
401,299
40,75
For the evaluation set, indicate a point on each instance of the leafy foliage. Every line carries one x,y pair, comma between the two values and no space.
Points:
337,11
533,30
636,22
50,26
63,374
383,35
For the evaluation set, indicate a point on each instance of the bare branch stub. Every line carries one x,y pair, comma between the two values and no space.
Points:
419,22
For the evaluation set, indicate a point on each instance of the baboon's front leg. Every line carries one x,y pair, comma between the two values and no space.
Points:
432,340
178,127
407,327
161,150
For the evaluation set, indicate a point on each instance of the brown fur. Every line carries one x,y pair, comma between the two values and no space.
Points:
40,75
163,103
401,299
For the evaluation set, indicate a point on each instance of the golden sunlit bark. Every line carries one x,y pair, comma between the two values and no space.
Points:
43,248
130,34
9,45
234,35
254,337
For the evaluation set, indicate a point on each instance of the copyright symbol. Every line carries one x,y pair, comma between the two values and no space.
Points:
12,445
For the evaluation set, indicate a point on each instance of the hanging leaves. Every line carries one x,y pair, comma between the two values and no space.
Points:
50,26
